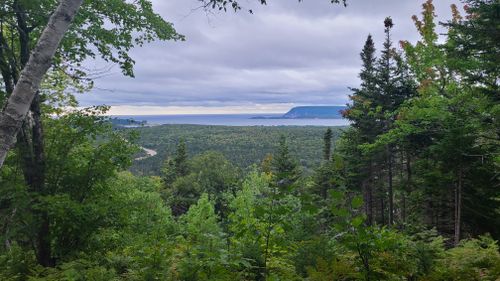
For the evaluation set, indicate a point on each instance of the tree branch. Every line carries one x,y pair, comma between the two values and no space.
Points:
31,76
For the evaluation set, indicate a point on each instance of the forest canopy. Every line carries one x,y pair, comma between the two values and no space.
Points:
408,191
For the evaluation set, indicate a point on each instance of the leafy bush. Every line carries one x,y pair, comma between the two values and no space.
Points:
473,259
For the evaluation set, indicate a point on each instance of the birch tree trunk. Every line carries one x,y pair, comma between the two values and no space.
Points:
31,76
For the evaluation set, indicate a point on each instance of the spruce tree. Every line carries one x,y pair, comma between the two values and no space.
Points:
327,144
473,46
323,179
285,168
362,112
168,173
364,100
180,160
386,73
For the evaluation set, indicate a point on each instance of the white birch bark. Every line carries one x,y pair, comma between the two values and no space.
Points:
31,76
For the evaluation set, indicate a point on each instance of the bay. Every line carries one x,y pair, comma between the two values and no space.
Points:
232,120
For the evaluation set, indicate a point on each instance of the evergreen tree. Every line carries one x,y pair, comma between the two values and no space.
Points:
323,180
168,172
177,166
327,145
180,160
362,110
285,169
446,136
473,44
386,83
438,152
364,113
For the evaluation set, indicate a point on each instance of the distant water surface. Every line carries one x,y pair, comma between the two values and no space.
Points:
232,120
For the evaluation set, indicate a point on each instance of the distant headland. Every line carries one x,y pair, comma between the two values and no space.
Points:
310,112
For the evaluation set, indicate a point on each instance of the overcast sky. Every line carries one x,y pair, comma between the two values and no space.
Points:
285,54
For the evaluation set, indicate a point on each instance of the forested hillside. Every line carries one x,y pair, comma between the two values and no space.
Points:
410,191
243,146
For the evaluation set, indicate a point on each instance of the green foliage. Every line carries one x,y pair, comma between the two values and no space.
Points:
180,160
261,221
327,144
324,180
107,29
243,146
475,259
125,229
432,154
285,170
79,165
16,264
202,255
430,160
133,238
472,45
337,270
209,173
177,166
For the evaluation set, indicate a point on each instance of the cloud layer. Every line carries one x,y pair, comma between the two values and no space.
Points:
286,53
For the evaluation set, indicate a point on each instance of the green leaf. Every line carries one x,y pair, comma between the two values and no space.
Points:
336,195
357,202
358,221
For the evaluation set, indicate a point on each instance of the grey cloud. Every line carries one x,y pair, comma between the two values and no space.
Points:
285,52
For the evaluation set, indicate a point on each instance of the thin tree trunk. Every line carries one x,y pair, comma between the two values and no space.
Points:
38,143
29,82
44,251
24,31
370,201
390,187
381,194
408,181
364,187
268,235
5,68
6,64
44,254
458,206
365,261
368,194
382,210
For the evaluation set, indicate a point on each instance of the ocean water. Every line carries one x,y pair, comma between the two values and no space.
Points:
232,120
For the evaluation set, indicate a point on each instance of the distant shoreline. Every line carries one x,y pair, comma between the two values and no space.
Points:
312,118
226,120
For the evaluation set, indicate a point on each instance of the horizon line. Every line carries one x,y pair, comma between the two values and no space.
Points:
132,110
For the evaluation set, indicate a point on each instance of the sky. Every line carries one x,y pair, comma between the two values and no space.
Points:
285,54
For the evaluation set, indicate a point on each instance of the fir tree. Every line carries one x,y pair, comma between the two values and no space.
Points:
176,167
362,110
323,180
168,173
327,144
285,168
180,160
366,125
